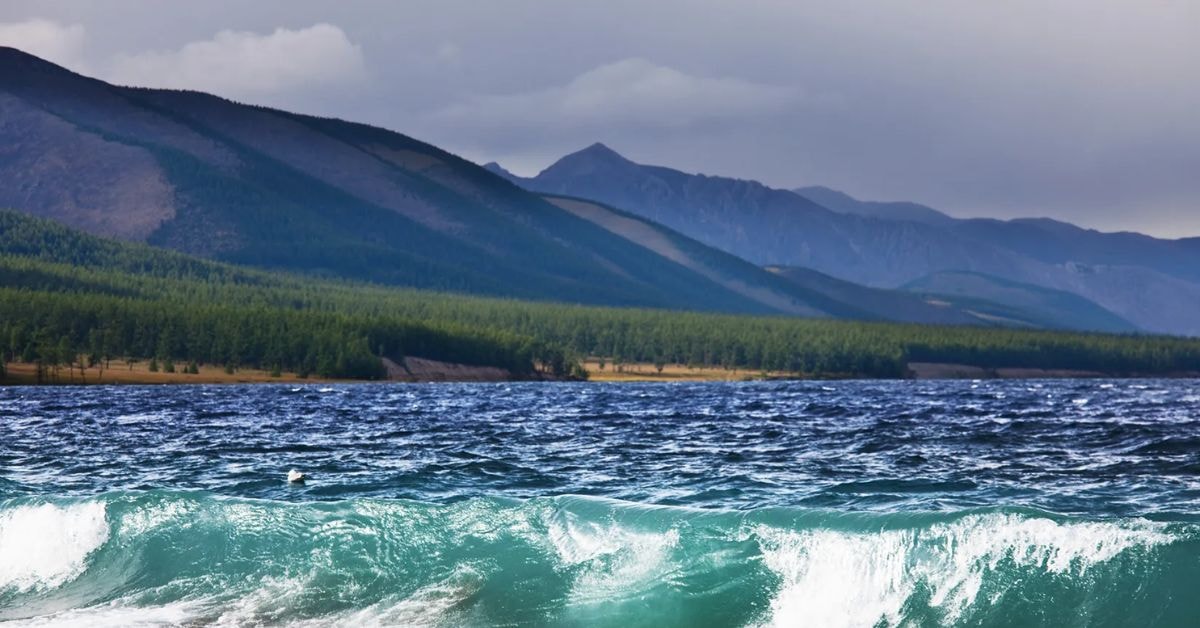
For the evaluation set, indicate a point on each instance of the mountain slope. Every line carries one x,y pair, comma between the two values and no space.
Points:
725,270
885,304
764,225
1043,239
1154,284
1033,305
845,204
251,185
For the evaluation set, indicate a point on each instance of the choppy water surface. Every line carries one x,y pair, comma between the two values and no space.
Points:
822,504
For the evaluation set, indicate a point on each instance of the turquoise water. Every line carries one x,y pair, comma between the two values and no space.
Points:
841,504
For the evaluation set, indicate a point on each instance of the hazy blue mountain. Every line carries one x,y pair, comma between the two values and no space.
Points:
1152,283
896,305
1057,242
1032,305
499,170
1043,239
761,224
891,210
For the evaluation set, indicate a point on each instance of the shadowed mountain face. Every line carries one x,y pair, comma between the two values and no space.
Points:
1151,283
845,204
1001,300
251,185
761,224
257,186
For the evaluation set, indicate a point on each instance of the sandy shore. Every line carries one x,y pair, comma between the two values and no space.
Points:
407,370
23,373
646,372
424,370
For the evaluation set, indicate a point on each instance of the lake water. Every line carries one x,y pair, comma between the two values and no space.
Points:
992,503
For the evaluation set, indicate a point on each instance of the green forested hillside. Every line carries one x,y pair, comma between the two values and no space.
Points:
64,294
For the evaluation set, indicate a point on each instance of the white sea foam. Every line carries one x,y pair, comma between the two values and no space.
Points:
616,561
837,578
432,605
144,520
43,546
427,607
117,614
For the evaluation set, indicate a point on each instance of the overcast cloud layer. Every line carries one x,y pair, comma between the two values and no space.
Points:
1084,110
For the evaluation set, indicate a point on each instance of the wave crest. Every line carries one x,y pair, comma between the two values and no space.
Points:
840,578
45,545
156,557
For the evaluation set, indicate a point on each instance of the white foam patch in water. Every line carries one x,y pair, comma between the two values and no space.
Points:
616,562
835,578
139,417
145,520
429,606
44,546
117,614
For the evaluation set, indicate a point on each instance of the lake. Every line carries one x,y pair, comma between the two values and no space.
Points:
848,503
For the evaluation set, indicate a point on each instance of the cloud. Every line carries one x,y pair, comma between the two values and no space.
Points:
632,92
246,64
449,52
61,44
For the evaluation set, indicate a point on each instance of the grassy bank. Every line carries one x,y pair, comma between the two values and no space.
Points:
26,373
606,371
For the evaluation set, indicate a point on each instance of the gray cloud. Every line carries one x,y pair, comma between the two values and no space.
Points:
630,92
60,43
1078,109
246,64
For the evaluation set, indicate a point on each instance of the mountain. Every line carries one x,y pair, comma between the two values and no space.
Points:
1021,303
1056,242
1043,239
891,210
252,185
1152,283
278,190
895,305
839,298
499,170
761,224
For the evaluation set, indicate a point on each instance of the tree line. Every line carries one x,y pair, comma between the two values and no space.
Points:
64,292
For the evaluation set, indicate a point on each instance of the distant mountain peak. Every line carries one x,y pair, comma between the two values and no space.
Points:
497,169
600,148
597,152
593,159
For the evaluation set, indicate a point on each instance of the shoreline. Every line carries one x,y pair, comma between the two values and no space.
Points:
420,370
25,374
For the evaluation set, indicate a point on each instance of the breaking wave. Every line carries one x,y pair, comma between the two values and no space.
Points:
169,558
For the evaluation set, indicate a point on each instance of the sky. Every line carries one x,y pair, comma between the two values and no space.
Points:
1082,110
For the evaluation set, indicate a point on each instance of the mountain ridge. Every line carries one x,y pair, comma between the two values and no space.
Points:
1153,283
286,191
258,186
